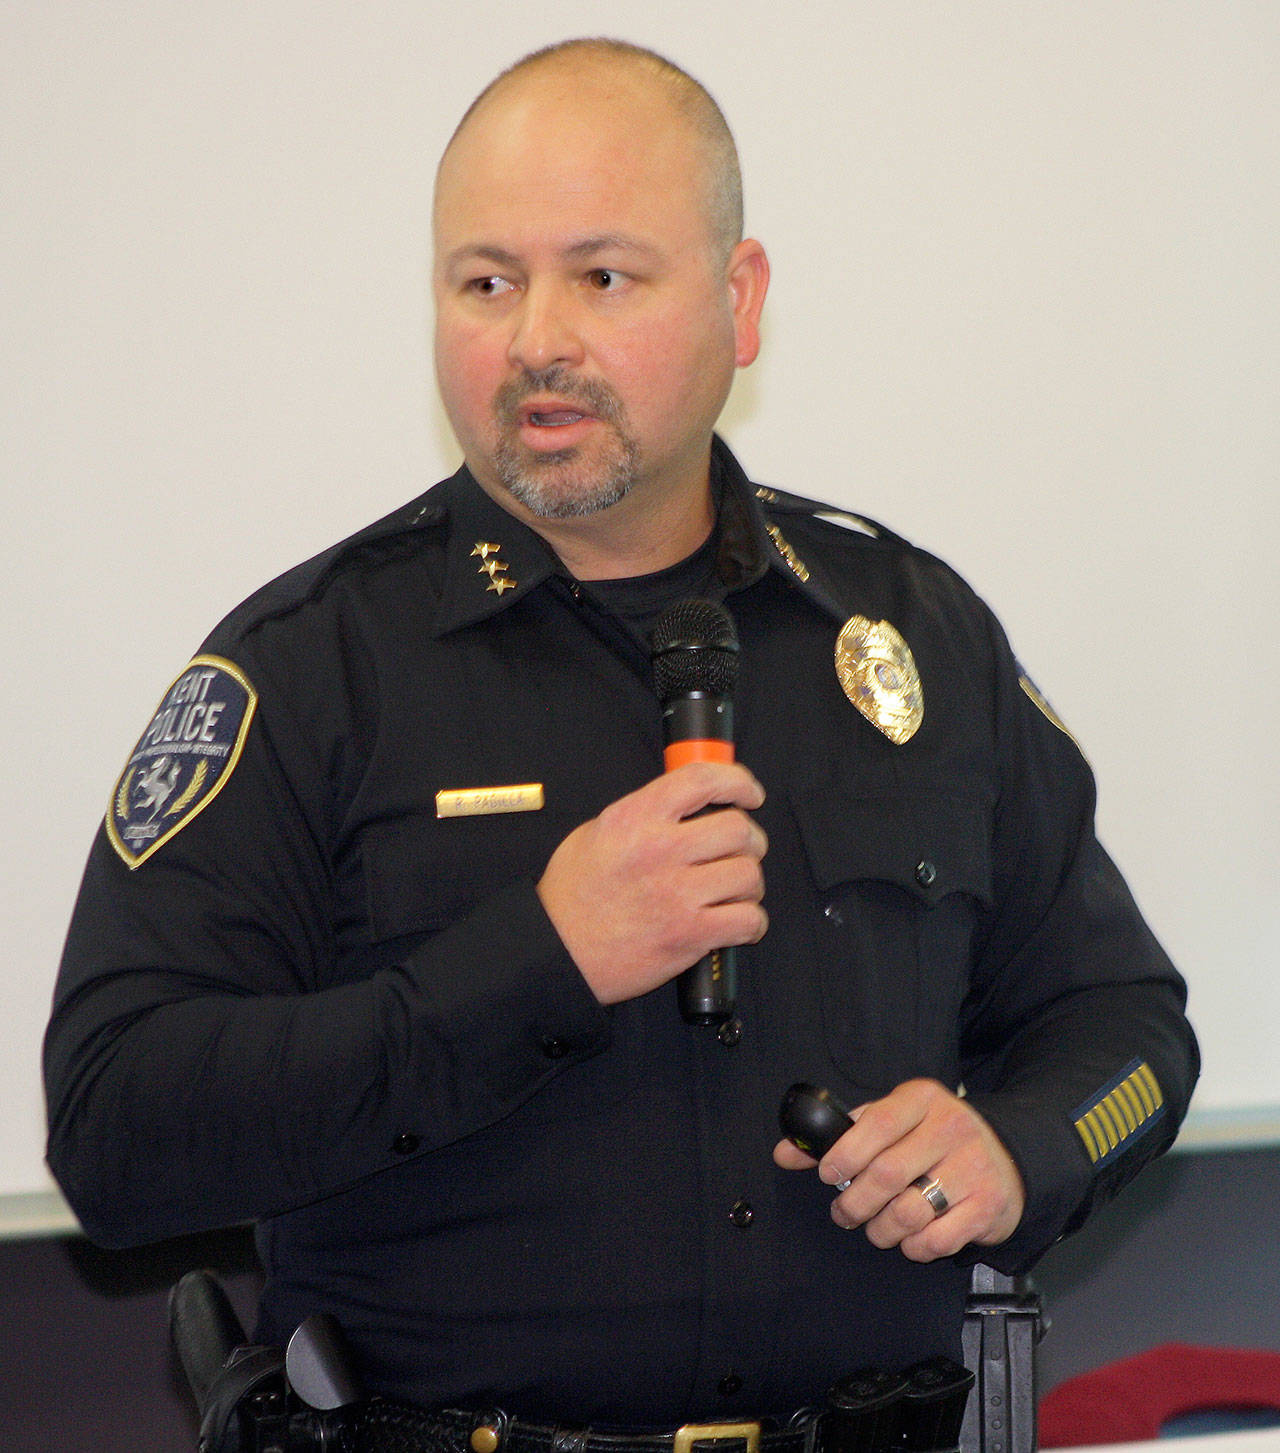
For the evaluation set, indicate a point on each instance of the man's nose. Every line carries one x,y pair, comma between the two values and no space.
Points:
546,331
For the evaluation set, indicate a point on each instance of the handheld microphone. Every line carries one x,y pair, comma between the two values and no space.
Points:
695,668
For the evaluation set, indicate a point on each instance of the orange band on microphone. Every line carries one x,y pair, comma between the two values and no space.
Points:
676,754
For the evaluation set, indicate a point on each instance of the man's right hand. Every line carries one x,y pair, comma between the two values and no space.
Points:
647,888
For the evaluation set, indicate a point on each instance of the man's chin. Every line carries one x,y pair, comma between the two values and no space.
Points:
563,486
564,503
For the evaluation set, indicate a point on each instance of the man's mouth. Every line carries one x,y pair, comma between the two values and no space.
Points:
548,425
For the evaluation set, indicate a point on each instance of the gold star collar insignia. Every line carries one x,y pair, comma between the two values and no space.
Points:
496,570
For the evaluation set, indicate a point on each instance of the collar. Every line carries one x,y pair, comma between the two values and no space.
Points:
493,560
752,544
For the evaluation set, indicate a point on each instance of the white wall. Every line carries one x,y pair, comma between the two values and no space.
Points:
1025,310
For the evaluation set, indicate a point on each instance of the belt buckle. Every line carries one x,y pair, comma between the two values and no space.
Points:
692,1433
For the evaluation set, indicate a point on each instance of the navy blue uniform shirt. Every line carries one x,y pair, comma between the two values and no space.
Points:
293,994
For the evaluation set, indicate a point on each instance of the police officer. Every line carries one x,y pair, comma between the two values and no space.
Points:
376,945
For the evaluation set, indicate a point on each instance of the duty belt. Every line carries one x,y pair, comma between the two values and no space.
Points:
867,1412
388,1427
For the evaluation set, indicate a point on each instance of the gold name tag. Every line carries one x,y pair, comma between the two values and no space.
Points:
479,801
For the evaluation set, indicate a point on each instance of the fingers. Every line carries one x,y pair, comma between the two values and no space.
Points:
701,784
731,879
731,925
725,832
696,814
892,1141
920,1131
909,1222
789,1156
656,881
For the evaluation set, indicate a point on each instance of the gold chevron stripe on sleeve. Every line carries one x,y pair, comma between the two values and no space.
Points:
1144,1076
1127,1098
1119,1113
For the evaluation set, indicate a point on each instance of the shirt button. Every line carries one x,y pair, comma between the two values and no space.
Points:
833,914
926,873
554,1048
742,1214
730,1032
729,1384
405,1144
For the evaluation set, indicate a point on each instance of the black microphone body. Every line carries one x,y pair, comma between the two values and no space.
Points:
695,663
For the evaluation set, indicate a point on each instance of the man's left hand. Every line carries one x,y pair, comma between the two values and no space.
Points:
919,1129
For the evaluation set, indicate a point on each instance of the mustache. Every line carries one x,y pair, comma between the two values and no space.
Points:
592,394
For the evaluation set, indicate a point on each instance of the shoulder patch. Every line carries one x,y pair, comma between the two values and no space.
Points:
183,759
1041,703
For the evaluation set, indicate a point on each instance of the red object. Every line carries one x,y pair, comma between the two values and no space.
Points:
1130,1401
694,749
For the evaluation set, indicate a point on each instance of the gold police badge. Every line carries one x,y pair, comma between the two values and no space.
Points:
879,676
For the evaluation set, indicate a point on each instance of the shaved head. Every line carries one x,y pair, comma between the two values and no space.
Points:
687,98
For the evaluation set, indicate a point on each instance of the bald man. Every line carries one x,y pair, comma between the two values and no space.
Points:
389,968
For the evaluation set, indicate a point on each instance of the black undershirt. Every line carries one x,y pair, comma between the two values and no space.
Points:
637,601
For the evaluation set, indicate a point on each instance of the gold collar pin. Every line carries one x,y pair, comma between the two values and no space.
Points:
499,581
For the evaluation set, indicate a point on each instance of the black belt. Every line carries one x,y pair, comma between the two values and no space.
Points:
867,1412
388,1427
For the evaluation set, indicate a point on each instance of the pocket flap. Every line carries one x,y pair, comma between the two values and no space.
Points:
928,843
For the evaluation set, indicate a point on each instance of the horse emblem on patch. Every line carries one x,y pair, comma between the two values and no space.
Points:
183,759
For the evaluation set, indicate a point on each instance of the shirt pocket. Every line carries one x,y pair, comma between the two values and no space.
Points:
901,878
422,874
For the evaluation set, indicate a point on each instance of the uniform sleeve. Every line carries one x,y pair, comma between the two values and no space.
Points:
1077,1048
205,1064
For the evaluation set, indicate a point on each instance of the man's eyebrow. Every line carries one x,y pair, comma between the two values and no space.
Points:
584,248
609,242
480,252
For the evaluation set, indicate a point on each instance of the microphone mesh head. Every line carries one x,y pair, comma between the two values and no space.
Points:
695,648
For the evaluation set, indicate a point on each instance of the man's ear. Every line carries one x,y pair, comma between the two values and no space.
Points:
748,276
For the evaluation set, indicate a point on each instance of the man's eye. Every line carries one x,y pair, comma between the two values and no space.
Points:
489,287
605,280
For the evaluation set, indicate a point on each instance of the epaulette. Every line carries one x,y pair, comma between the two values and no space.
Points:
302,583
782,502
